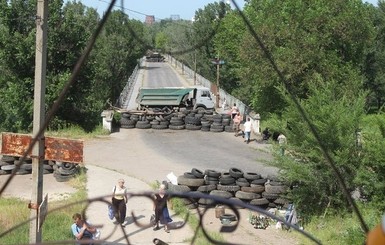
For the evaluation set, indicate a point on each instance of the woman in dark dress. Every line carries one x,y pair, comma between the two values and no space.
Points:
160,207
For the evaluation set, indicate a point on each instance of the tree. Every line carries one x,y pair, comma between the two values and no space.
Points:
306,40
337,118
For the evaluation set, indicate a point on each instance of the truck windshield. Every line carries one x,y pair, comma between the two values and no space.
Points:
205,94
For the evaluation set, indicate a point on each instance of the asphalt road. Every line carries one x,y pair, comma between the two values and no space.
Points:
208,150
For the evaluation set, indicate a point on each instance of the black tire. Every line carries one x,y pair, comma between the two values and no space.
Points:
258,182
64,171
250,176
278,189
193,127
62,178
68,165
224,194
176,127
189,175
242,182
254,189
270,196
197,173
178,188
231,188
127,126
212,173
259,202
190,182
206,188
159,126
145,125
230,217
26,166
236,172
211,182
225,175
8,159
247,195
227,180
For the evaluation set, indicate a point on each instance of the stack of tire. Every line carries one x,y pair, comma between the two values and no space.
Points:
198,119
217,125
159,122
177,121
64,171
126,121
193,121
144,122
12,164
233,184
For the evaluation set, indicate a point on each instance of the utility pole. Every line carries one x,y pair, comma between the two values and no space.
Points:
35,233
217,98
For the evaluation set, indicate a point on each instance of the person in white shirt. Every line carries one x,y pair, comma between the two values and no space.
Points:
282,143
119,201
247,127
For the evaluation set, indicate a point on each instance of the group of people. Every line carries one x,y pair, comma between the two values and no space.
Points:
237,119
83,230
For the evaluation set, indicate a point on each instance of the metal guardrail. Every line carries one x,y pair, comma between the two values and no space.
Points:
125,95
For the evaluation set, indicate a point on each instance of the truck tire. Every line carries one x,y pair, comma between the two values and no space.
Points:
197,173
190,182
247,195
193,127
159,126
236,172
176,127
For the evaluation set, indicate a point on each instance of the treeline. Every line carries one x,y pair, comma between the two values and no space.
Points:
70,28
328,57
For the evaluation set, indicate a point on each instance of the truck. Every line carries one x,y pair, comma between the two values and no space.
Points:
175,98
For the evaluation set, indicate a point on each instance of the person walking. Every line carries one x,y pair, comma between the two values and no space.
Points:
282,143
247,126
160,207
234,111
236,123
119,200
82,230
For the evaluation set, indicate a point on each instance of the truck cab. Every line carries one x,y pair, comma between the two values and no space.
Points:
202,96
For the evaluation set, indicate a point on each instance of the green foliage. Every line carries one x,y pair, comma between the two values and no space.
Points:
342,228
371,172
100,81
57,225
306,41
336,118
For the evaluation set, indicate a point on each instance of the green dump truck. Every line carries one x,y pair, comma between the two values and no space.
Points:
174,98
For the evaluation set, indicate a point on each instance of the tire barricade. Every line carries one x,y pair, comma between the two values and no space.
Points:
234,184
62,171
204,120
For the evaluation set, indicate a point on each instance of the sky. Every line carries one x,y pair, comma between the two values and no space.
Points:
161,9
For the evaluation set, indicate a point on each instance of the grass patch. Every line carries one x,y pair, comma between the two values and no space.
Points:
57,225
340,228
193,221
76,132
